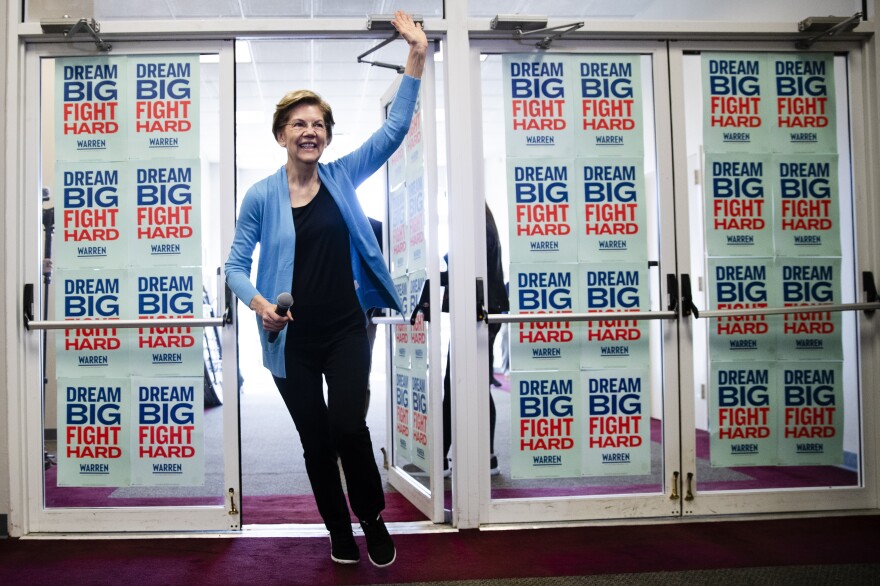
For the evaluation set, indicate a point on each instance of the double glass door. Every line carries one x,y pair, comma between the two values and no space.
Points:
657,359
666,267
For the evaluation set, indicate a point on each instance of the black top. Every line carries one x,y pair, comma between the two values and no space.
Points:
498,301
324,299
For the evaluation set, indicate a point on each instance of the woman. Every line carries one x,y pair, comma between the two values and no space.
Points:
306,217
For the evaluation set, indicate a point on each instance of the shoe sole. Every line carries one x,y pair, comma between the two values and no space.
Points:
372,561
343,561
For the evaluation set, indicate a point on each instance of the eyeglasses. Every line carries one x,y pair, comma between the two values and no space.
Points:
302,125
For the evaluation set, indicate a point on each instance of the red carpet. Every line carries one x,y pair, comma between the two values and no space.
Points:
280,509
448,556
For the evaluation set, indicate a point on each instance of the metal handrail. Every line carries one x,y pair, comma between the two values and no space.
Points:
787,310
126,323
397,320
509,318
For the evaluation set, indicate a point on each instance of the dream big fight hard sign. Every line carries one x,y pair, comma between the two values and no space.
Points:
772,221
578,213
127,216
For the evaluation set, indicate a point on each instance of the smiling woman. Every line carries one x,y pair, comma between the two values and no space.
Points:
307,215
303,124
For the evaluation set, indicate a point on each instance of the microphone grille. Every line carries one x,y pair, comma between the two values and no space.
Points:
285,299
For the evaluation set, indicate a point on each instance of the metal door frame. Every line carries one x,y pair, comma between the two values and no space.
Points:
665,503
863,496
429,500
26,417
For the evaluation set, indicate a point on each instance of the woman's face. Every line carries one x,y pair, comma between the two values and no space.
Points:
305,134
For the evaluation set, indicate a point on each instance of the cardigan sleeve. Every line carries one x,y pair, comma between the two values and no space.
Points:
247,235
370,156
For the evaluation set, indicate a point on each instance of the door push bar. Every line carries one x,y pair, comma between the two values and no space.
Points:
671,312
423,306
683,303
31,324
871,304
522,318
519,318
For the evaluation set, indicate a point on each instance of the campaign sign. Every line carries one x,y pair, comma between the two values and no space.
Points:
418,382
811,414
418,332
612,288
89,223
739,205
547,288
807,203
735,114
414,144
93,431
737,284
608,106
541,214
538,112
89,119
416,220
743,414
168,437
612,209
167,213
168,350
398,233
397,168
402,416
545,429
802,91
87,295
400,344
164,110
617,430
815,335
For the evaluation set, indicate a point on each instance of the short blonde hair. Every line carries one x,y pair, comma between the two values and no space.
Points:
297,98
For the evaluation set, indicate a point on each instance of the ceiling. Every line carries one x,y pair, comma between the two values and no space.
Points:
328,67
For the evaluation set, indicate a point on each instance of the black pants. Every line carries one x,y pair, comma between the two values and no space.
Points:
337,427
447,399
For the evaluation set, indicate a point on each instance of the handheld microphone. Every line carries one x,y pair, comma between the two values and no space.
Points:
285,301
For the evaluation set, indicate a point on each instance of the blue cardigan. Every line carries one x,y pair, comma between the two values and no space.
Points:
265,219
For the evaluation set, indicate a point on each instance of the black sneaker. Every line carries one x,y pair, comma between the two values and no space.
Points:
379,545
343,548
494,470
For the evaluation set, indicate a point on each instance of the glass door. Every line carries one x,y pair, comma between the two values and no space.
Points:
132,418
772,288
414,428
579,182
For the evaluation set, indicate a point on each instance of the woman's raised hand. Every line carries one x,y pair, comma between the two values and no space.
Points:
411,31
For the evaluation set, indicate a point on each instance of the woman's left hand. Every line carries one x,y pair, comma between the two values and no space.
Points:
411,31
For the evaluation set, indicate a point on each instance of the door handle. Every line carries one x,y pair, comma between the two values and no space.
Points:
27,301
870,290
687,298
229,300
672,292
423,306
482,314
